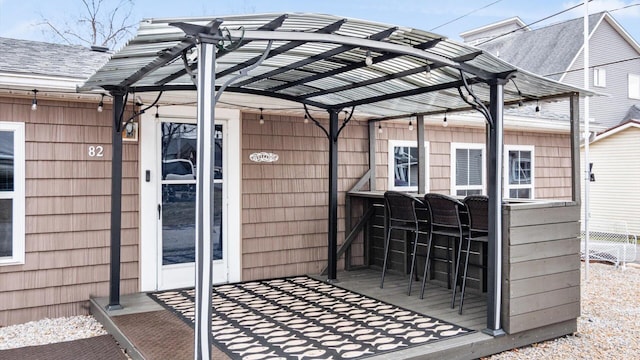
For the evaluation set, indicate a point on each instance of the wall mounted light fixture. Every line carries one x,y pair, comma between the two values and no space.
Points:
34,102
101,104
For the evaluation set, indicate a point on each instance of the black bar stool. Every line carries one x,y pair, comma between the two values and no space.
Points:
478,212
400,214
444,220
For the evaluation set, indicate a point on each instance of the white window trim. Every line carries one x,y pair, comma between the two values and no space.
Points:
599,77
18,193
452,166
505,179
391,165
634,93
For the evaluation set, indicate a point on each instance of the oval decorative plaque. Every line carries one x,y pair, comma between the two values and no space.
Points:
263,157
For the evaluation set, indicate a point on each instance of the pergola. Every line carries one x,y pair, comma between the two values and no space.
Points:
379,71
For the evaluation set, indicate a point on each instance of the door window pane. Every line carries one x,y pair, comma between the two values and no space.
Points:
178,223
179,144
179,162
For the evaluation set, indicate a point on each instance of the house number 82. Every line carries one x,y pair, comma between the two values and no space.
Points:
96,151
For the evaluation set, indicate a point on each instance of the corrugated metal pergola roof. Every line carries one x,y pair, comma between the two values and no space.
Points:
320,60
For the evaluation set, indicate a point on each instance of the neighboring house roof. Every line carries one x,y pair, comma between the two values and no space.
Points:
616,129
45,59
632,114
486,32
547,51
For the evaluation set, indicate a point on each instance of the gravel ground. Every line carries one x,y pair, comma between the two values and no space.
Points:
48,331
608,328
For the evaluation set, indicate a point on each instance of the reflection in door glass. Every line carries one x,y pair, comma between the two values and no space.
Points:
178,224
179,163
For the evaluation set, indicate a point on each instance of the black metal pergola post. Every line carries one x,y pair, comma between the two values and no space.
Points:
494,191
116,200
333,197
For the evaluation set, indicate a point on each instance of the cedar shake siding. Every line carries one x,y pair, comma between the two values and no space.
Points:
284,224
67,212
285,203
552,151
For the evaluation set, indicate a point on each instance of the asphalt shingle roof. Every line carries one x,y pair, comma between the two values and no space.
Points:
40,58
546,51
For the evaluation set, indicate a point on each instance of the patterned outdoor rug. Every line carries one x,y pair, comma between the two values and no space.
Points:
303,318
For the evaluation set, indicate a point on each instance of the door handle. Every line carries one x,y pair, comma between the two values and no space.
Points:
159,211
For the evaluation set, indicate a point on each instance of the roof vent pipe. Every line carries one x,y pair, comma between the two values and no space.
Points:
97,48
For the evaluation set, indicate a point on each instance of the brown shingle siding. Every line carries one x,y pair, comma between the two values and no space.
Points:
67,211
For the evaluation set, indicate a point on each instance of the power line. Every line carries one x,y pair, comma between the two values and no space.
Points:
465,15
594,66
533,23
625,7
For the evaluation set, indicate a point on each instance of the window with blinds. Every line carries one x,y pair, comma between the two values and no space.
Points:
468,165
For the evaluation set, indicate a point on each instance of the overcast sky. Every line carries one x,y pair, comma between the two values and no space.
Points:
20,18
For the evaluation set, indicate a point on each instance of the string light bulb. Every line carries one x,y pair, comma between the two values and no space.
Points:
444,121
306,119
101,104
410,126
34,102
379,128
537,107
470,98
261,117
157,114
427,72
368,60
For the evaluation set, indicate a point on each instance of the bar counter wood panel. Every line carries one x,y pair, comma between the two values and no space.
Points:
541,265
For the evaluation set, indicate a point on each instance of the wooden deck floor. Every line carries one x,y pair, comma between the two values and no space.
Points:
437,303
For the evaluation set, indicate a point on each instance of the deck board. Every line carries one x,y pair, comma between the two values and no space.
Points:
436,302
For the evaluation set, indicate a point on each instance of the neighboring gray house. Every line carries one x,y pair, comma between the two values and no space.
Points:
556,51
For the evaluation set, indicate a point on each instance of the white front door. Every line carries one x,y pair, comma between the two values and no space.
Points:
174,179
